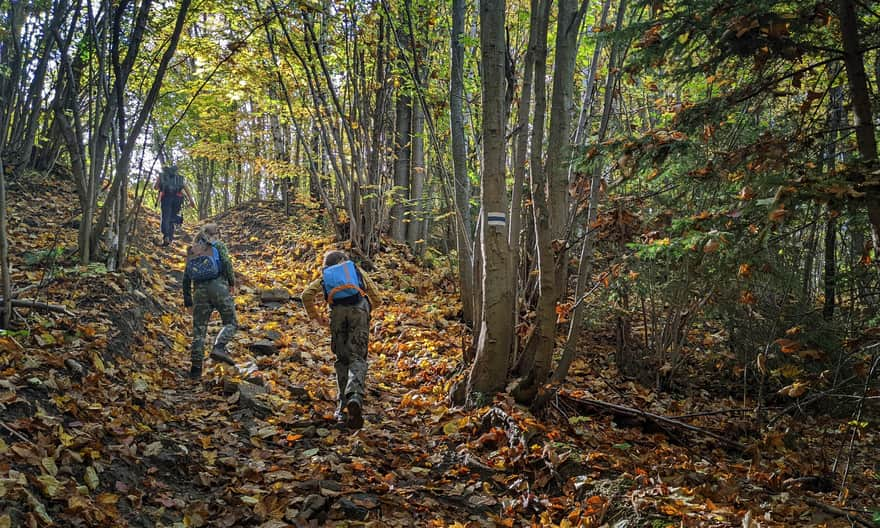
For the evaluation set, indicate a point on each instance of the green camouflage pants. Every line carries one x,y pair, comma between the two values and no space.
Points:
209,296
349,337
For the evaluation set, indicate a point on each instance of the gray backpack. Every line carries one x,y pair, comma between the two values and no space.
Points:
170,180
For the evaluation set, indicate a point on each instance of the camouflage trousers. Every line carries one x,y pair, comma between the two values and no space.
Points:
209,296
349,337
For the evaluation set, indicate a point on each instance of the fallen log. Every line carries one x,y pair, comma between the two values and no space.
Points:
656,418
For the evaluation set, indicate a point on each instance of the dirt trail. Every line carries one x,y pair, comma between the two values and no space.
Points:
280,455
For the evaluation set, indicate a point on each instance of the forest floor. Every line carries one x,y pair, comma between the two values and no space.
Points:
100,426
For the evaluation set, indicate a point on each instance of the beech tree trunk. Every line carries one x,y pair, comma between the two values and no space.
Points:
550,199
585,265
400,193
488,373
461,182
419,174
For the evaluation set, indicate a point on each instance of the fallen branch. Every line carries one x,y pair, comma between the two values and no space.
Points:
656,418
37,305
848,515
17,434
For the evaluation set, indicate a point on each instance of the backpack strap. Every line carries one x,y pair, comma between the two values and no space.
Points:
337,289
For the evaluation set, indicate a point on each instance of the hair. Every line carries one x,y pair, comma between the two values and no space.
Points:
334,257
208,233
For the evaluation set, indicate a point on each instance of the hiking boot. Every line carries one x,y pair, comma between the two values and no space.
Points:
355,418
219,354
339,413
195,371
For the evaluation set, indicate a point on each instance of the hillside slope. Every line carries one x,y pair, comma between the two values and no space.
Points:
99,425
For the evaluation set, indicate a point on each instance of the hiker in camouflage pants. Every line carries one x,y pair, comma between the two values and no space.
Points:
207,296
349,339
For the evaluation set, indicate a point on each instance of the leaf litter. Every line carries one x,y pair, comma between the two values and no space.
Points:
100,426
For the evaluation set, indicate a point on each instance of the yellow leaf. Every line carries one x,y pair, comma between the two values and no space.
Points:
5,521
450,427
91,478
98,362
108,498
50,485
797,389
684,37
48,464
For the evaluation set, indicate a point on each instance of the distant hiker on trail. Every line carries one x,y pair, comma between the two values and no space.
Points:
172,189
350,294
209,273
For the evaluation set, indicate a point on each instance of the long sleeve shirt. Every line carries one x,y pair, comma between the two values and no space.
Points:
226,272
315,289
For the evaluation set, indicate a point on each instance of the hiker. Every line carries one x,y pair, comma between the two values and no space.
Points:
210,275
350,295
172,189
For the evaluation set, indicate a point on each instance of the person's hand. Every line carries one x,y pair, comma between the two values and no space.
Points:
189,309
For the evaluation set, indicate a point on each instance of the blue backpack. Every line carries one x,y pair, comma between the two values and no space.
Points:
342,283
202,265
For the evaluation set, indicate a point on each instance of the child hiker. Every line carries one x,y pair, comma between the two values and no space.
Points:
209,274
350,294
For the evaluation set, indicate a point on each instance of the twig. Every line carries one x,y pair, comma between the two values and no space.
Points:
17,434
814,398
850,516
858,419
712,413
30,303
630,411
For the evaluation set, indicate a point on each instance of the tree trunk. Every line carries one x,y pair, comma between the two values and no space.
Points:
402,147
853,59
461,182
550,198
4,242
585,265
419,173
526,362
489,371
830,268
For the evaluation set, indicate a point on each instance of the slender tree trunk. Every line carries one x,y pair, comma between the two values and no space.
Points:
854,61
830,268
403,147
550,199
4,244
461,182
585,265
526,362
419,174
520,148
489,371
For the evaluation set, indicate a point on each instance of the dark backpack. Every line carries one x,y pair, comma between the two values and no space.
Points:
203,262
170,181
343,283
